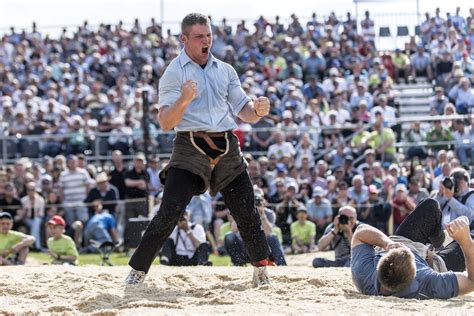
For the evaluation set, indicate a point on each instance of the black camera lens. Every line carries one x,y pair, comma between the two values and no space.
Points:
343,219
448,183
258,201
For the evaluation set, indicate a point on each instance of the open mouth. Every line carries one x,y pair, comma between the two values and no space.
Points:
205,50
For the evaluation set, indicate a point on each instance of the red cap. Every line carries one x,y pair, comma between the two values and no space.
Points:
57,220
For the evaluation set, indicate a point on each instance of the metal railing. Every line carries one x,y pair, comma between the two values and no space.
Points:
99,149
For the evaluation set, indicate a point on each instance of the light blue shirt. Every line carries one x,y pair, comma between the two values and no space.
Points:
220,95
320,211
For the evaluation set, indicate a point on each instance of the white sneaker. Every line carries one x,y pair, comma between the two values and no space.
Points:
135,277
260,276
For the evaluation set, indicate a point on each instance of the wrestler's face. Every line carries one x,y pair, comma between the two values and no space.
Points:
197,40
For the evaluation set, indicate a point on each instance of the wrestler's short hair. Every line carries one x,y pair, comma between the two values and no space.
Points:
396,269
193,19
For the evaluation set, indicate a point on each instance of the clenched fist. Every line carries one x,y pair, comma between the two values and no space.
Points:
262,106
189,90
458,229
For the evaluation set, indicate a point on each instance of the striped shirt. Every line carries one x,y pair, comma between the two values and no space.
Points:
74,185
220,95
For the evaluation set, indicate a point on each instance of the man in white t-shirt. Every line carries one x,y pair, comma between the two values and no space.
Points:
186,245
388,112
281,147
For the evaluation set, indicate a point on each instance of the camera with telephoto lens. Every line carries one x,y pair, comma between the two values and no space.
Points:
258,200
449,183
343,219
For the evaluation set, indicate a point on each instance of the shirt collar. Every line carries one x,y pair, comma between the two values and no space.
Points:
185,59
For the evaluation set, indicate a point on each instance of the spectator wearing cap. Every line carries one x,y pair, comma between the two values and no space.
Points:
438,101
303,233
359,192
338,237
319,210
280,147
14,246
61,247
334,82
101,228
288,127
136,182
32,212
9,203
403,205
377,211
416,192
104,192
361,94
74,187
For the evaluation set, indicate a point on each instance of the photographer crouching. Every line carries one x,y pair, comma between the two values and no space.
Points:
338,236
455,197
186,245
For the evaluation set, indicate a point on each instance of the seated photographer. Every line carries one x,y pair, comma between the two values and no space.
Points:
62,248
235,246
303,233
100,228
338,236
14,246
455,197
186,245
402,266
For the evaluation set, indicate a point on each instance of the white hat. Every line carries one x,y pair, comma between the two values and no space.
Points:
287,114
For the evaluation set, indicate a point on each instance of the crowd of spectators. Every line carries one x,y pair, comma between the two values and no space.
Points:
325,79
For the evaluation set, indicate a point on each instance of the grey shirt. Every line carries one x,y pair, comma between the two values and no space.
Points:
340,244
427,283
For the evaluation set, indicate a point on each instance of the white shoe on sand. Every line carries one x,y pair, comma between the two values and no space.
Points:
260,276
135,277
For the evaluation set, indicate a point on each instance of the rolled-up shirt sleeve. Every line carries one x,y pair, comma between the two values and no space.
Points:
235,94
169,88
